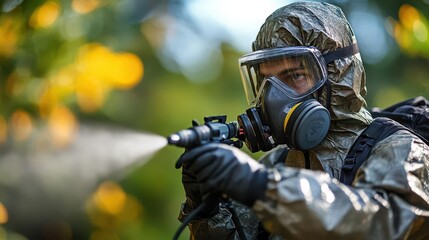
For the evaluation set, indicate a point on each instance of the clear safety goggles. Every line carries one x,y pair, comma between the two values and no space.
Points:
295,71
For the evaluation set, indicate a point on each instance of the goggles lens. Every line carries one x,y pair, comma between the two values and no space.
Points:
296,71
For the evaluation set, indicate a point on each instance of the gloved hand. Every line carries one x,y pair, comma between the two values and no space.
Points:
224,169
195,195
192,188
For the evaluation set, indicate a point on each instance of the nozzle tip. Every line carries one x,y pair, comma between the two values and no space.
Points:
173,139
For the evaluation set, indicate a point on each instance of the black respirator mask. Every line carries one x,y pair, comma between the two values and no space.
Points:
281,85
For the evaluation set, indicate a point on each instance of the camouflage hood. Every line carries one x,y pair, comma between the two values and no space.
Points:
325,27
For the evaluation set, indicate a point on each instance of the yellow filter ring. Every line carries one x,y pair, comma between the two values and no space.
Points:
289,114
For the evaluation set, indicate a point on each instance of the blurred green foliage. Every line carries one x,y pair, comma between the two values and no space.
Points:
44,45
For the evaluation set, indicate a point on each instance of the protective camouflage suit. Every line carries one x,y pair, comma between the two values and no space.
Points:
389,198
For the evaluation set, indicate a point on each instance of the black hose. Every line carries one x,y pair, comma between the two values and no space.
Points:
188,219
237,223
209,203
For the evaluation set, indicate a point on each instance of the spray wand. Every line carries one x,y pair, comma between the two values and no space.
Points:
214,129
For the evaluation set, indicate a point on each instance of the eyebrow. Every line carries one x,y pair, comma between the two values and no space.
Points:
299,67
289,70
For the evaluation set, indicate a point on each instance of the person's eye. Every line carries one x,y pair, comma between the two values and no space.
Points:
293,78
296,77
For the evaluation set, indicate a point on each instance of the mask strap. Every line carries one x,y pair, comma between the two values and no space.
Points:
307,160
328,94
335,55
341,53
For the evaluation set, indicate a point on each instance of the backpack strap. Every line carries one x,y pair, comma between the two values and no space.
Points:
378,130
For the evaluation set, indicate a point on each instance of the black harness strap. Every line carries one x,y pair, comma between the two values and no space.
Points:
378,130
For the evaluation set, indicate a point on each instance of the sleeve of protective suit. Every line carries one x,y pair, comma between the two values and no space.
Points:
389,198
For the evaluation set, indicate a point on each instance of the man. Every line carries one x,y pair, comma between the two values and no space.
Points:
306,81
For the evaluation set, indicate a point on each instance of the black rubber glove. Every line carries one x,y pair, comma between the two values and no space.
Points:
192,188
224,169
195,195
